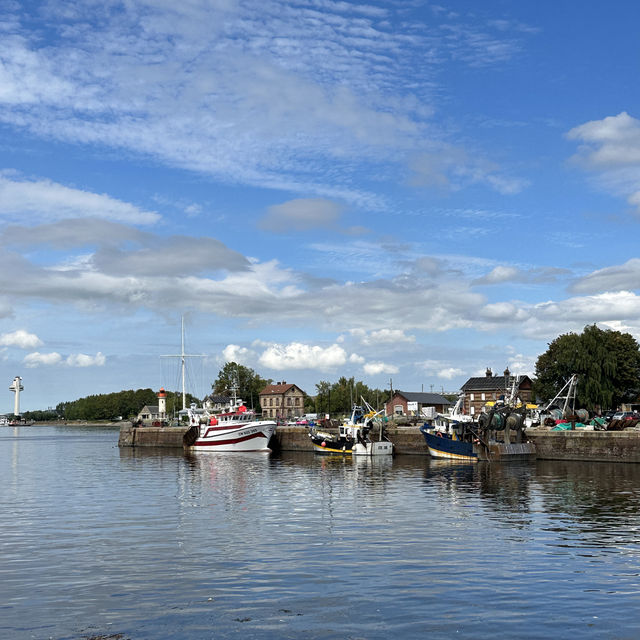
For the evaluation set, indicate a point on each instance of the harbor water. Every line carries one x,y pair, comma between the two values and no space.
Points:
98,541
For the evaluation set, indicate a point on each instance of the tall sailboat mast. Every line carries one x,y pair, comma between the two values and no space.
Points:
184,392
183,362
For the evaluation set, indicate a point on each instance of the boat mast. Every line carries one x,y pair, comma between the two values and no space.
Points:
184,393
183,362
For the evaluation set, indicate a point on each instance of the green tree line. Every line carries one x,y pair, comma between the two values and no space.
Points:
121,404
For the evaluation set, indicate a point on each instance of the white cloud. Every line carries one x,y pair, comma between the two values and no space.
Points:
611,148
302,215
384,336
20,338
450,167
232,101
297,355
83,360
506,273
46,201
502,312
356,359
615,278
449,373
236,353
375,368
35,359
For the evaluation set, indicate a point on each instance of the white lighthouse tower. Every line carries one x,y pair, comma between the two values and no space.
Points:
162,403
16,387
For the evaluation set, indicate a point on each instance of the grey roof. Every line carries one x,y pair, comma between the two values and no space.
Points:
490,383
151,408
423,398
219,399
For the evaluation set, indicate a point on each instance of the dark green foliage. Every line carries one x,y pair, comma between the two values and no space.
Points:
607,363
45,415
338,398
247,383
122,404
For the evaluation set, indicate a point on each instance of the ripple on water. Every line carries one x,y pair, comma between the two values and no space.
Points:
155,543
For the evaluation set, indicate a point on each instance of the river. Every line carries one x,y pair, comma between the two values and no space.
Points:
140,544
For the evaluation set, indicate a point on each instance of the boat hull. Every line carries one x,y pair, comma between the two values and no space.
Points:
253,436
322,444
447,448
379,448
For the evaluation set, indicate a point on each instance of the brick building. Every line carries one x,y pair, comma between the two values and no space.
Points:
282,400
413,402
489,388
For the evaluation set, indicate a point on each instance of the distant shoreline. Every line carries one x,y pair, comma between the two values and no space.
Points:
79,423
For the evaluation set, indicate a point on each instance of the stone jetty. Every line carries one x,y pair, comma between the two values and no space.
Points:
591,446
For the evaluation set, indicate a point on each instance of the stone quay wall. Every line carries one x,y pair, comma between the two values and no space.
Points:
590,446
131,436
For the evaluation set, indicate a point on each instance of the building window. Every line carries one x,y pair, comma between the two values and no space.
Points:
472,410
482,397
297,401
471,397
271,402
397,409
288,402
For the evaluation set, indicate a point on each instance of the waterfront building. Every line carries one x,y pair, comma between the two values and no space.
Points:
219,404
404,403
282,400
489,388
154,413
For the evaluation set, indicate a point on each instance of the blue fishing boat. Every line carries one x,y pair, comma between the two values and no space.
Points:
449,445
499,435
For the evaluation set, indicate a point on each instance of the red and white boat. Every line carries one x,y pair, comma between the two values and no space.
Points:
236,430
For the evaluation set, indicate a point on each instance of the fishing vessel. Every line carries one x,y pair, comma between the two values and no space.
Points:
498,435
458,444
236,430
354,436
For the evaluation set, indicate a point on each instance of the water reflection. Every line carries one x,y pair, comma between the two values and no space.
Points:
602,501
154,543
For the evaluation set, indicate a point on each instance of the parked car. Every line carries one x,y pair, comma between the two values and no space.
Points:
622,415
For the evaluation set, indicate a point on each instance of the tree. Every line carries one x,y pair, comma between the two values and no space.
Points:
340,396
125,404
607,363
246,383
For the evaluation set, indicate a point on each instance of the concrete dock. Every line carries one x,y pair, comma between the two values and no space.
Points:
590,446
406,440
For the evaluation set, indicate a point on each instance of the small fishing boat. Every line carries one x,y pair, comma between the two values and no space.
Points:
498,435
454,445
354,435
236,430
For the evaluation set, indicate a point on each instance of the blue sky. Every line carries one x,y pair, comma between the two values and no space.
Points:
411,191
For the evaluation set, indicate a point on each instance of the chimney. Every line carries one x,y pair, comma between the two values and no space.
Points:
488,372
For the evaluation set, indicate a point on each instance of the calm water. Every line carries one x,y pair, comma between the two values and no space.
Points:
99,541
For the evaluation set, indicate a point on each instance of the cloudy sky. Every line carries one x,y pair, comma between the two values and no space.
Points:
399,190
